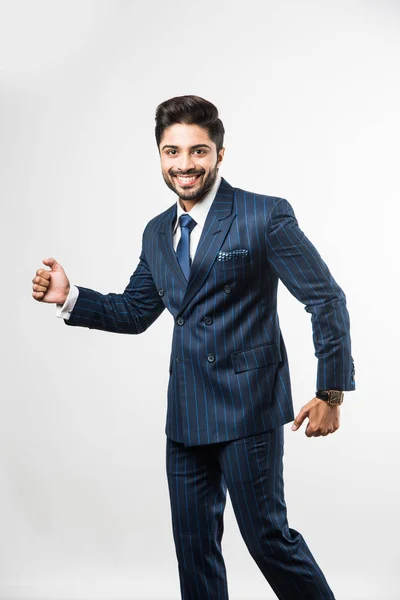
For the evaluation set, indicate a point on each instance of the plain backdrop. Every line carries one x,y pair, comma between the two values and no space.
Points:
310,98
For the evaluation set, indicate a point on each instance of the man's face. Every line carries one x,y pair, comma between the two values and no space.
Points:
189,160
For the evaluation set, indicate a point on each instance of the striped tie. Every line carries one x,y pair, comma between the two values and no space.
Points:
182,252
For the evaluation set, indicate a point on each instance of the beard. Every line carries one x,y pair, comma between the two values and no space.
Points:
198,191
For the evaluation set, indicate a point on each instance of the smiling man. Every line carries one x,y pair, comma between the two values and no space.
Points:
214,259
189,162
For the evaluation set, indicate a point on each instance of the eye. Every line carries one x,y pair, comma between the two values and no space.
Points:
200,150
169,151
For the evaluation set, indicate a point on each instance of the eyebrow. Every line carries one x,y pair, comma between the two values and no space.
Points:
191,147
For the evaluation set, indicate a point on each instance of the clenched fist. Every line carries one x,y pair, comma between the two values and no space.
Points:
51,286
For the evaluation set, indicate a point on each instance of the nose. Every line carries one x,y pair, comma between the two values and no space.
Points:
186,162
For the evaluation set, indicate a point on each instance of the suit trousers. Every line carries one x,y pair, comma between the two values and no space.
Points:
251,468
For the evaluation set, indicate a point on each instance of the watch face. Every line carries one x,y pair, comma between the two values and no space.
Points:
336,396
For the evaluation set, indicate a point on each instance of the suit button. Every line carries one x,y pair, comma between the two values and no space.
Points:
208,320
180,321
227,289
161,292
210,357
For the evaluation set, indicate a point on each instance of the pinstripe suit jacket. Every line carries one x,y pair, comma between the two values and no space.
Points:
229,373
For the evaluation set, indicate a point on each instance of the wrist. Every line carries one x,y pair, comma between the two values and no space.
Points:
67,291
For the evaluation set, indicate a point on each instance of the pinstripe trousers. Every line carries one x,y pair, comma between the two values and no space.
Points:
251,468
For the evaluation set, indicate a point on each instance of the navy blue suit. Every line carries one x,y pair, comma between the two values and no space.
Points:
229,387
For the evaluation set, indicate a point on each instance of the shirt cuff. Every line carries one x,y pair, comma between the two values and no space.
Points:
63,311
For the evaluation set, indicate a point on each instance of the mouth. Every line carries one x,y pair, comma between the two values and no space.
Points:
186,180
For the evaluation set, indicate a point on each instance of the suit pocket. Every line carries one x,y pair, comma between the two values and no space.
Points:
228,260
256,357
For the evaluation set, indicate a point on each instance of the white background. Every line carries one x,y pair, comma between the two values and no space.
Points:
309,95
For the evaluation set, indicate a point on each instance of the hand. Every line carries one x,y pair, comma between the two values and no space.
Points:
51,286
323,418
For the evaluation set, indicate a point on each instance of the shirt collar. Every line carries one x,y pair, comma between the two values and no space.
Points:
200,210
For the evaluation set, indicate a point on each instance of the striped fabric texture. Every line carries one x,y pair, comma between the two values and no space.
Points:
251,470
229,371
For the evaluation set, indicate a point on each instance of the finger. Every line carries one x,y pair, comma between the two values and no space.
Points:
41,281
38,295
310,431
315,433
43,273
39,288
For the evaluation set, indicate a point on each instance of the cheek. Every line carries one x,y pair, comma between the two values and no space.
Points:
166,166
208,165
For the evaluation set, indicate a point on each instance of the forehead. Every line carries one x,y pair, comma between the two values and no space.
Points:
184,136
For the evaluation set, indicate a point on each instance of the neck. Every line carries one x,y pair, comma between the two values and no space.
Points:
187,205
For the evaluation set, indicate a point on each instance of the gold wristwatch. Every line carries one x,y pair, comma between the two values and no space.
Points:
332,397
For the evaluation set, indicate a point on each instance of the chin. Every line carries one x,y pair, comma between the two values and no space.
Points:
189,193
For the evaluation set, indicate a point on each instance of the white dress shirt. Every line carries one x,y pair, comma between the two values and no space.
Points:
199,213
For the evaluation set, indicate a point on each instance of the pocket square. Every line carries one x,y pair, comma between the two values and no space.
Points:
232,254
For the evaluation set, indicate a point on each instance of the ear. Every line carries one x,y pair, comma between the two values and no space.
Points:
220,156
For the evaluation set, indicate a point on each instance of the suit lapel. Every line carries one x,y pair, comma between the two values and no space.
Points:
167,249
216,227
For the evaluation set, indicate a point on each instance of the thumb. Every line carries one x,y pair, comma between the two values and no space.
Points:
52,263
299,419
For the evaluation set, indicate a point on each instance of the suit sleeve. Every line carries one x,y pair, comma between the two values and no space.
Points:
300,267
132,312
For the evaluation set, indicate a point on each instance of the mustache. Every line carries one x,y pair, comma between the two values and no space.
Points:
190,172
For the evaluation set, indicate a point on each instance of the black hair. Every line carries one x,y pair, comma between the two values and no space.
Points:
192,110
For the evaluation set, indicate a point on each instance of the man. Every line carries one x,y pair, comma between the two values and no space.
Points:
213,259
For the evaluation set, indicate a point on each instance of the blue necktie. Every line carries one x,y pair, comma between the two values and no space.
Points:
182,252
